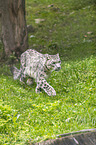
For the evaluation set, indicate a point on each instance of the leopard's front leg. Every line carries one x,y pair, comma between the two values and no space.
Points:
42,84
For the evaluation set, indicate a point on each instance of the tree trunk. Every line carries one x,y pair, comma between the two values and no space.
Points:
0,27
14,30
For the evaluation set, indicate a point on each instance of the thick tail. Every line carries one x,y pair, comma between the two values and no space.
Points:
16,72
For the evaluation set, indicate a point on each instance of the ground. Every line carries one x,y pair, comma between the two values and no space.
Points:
69,28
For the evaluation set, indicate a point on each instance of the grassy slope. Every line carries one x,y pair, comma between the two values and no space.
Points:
30,117
64,28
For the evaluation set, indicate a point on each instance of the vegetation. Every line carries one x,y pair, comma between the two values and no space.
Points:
68,27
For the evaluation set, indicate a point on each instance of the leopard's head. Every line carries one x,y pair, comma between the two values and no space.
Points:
53,62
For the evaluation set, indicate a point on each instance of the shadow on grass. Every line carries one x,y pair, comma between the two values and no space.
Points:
78,51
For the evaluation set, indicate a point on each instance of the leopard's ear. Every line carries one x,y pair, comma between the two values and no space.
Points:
57,54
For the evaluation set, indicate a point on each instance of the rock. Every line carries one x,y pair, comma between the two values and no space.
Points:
50,5
39,20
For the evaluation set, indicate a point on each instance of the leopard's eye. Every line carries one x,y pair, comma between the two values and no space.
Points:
53,62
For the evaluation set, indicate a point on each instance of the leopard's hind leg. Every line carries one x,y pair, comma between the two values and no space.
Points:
30,81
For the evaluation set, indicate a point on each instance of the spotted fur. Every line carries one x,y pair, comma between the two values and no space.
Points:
35,65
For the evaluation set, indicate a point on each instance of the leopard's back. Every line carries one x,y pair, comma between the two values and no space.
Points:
32,62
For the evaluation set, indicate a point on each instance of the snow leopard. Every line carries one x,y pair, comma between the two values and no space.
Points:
35,65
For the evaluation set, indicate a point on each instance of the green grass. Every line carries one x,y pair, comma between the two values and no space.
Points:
36,117
27,117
